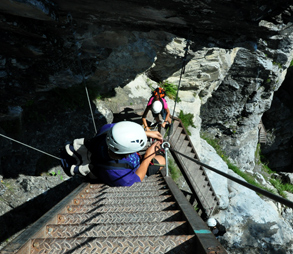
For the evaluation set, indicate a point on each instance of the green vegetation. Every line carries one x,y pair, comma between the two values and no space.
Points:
291,64
277,183
7,185
278,64
187,120
174,170
171,90
53,173
248,177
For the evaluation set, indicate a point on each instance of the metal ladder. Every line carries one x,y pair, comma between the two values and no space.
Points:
149,217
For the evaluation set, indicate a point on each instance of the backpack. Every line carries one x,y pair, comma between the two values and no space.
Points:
76,157
161,91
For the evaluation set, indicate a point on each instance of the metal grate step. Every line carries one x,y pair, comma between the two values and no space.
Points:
121,208
124,194
116,229
81,218
135,187
121,200
183,244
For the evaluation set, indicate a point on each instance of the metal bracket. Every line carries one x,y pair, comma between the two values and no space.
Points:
166,146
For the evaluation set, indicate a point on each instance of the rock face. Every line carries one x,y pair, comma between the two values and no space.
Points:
238,56
253,225
279,124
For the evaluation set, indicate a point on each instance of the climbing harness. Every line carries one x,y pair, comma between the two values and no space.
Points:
69,18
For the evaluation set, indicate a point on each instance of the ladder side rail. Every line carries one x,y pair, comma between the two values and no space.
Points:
205,239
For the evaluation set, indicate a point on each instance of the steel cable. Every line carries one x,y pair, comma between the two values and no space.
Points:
247,185
30,147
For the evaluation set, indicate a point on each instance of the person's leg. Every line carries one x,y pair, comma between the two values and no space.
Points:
155,165
161,160
164,115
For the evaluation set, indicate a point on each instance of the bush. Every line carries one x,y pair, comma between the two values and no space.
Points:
174,170
171,90
187,120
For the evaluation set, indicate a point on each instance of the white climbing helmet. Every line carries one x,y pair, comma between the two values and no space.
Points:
126,137
157,107
211,222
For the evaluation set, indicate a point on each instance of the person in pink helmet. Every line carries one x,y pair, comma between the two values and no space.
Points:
158,106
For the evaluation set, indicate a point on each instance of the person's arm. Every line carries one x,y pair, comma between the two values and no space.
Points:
148,156
144,121
167,118
154,134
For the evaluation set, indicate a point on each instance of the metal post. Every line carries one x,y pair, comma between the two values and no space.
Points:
166,147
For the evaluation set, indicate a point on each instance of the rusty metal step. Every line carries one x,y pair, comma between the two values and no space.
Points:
82,218
124,194
183,244
120,208
121,200
116,229
135,187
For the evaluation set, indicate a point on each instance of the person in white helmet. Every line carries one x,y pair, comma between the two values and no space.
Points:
158,106
216,228
111,157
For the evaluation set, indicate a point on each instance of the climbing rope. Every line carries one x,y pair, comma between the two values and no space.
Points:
30,147
69,18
